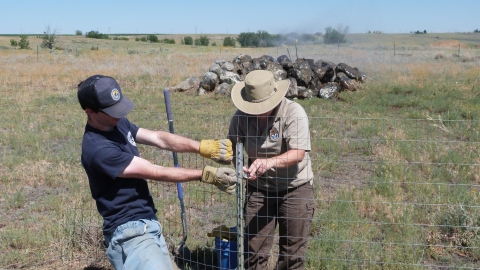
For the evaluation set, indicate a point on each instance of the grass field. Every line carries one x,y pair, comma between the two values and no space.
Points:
397,163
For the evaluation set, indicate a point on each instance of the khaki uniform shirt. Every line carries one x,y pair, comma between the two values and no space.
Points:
287,129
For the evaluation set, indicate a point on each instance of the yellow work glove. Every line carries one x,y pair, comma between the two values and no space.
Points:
224,179
219,151
223,232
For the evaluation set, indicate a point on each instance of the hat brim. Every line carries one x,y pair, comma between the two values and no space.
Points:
120,109
255,108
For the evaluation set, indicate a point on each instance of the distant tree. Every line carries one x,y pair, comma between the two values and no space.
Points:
264,38
24,43
168,40
247,39
214,44
97,35
49,38
144,39
229,42
78,32
307,38
420,32
202,41
260,39
476,31
153,38
13,43
188,40
333,36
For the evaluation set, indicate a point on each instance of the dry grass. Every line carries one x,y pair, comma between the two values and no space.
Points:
451,44
162,65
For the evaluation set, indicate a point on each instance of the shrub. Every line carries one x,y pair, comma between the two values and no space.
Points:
97,35
333,36
202,41
78,32
259,39
48,41
188,40
120,38
13,43
49,38
153,38
265,39
24,43
168,41
247,39
229,42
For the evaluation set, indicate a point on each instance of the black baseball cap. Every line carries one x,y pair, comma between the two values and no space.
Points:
103,93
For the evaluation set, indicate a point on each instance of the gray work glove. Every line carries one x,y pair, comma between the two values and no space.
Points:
223,178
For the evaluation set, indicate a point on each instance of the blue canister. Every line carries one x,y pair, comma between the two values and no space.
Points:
227,253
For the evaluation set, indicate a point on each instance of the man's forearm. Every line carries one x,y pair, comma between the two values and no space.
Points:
142,168
177,143
167,141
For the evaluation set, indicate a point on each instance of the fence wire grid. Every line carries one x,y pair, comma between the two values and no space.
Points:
389,193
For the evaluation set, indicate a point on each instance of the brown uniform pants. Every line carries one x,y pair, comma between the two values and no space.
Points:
293,211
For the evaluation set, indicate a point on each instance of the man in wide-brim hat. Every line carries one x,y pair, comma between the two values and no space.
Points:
275,134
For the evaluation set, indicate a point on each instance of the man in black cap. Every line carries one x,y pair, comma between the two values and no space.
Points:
117,174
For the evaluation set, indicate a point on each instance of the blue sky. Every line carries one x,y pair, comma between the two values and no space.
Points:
233,17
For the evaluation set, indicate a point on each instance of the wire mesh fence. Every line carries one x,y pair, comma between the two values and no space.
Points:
394,193
389,193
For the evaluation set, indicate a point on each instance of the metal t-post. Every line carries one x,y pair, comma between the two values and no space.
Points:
240,201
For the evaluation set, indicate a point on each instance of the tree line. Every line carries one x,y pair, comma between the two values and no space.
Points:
260,38
264,39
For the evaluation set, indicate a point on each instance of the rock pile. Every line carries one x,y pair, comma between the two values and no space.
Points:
308,78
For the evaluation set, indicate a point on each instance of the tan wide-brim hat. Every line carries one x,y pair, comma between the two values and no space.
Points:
259,92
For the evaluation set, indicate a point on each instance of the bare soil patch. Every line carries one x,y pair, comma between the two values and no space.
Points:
450,44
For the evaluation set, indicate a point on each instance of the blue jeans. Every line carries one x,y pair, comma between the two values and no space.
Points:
138,245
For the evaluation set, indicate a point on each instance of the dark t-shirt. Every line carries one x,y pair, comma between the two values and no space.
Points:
105,154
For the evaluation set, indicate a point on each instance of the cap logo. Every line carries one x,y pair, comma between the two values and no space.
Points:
115,94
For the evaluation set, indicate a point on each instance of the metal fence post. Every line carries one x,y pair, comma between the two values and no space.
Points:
240,195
